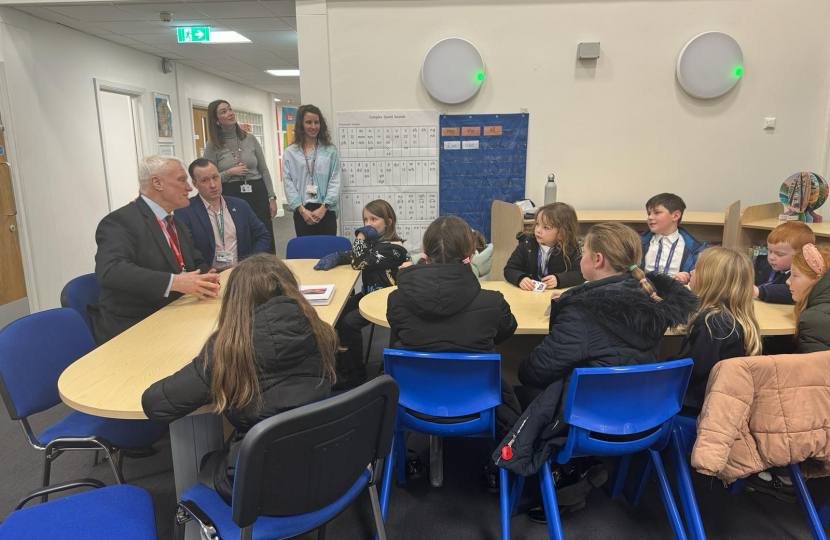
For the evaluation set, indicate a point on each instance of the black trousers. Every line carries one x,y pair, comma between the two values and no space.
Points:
258,201
350,329
327,225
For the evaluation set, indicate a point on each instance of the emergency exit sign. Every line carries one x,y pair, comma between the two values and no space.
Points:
194,34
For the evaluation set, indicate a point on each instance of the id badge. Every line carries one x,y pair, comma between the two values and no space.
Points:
224,256
538,286
246,188
311,189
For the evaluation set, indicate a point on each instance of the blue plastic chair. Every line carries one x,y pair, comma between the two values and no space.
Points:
34,351
316,247
442,395
123,512
614,411
298,470
79,293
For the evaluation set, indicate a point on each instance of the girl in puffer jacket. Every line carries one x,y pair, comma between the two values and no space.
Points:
270,353
810,285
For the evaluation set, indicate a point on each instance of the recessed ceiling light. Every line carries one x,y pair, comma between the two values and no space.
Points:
277,99
283,72
227,37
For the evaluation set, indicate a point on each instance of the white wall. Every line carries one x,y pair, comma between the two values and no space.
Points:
56,146
614,131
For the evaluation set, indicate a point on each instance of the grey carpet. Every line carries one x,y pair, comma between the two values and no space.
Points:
461,509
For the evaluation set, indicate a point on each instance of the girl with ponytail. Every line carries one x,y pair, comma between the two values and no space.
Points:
270,353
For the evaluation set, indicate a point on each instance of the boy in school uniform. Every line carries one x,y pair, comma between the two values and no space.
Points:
667,247
773,270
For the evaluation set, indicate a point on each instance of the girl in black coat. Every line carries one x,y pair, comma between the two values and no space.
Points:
724,326
270,353
550,255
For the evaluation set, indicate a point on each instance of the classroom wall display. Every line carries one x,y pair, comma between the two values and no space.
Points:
164,117
453,70
802,194
389,155
289,116
483,157
710,65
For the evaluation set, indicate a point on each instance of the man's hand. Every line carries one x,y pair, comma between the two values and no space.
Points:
683,277
317,215
526,284
202,286
550,281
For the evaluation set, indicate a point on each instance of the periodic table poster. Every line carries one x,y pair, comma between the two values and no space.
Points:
389,155
483,157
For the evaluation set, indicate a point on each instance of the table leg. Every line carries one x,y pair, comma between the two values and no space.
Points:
191,438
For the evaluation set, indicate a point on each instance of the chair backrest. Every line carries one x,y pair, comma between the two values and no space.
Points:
80,292
305,459
445,384
627,399
316,247
34,351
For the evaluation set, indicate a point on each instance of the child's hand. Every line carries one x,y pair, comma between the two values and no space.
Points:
683,277
755,292
550,281
555,294
526,284
404,265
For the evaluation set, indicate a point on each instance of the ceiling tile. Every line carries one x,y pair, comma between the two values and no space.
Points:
290,21
150,11
281,8
289,56
193,51
134,27
52,16
286,39
193,22
255,24
96,13
242,68
270,63
156,39
227,10
245,51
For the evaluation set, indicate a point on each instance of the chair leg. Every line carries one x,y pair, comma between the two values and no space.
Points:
115,462
436,461
47,471
386,484
321,532
504,504
806,503
516,494
824,514
95,459
668,499
549,501
691,512
369,348
400,456
379,526
635,494
615,487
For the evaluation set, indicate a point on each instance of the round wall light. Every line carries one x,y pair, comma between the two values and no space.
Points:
453,70
710,65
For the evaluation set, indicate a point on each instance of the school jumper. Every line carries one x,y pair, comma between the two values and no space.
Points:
524,262
772,285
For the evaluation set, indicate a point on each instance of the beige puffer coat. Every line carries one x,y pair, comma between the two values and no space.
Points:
765,411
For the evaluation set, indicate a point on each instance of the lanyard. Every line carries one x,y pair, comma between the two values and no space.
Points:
313,163
176,252
771,277
668,261
238,149
220,221
543,270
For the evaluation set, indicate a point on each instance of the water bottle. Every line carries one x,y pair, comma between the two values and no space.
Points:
550,190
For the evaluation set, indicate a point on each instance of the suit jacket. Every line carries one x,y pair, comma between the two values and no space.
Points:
133,265
251,235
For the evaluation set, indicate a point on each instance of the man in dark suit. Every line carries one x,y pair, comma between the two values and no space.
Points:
223,229
145,257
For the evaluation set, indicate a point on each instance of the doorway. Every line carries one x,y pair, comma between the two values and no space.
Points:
13,301
200,129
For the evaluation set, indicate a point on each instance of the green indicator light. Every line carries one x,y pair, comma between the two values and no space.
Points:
739,71
480,76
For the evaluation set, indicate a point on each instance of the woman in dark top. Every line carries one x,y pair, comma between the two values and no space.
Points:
271,353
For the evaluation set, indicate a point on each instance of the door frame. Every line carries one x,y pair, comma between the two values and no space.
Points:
137,94
194,103
19,193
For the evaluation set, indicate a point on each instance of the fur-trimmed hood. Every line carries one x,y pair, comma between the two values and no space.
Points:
620,304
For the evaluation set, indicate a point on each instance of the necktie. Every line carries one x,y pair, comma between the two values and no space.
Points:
171,231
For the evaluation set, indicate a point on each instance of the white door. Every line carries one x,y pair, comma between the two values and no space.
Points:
119,123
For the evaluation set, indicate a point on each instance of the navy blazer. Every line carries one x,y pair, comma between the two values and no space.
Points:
251,235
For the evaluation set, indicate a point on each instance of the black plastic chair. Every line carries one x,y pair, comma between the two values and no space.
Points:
298,470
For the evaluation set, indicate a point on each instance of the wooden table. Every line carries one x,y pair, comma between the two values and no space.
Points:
110,380
529,309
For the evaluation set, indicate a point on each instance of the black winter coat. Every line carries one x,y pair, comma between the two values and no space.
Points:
814,321
523,262
377,260
289,371
776,291
608,322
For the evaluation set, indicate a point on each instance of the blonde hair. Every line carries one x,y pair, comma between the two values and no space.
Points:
563,217
622,249
257,279
384,211
800,263
724,281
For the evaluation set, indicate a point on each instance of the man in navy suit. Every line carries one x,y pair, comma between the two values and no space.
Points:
223,229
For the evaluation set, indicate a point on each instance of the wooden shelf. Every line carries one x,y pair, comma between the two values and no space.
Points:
821,229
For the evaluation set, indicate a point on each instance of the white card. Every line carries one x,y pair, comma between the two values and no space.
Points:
224,256
538,286
452,145
246,188
311,189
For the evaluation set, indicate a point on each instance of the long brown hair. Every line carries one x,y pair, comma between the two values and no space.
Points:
622,249
254,281
384,211
323,136
563,217
448,239
800,263
214,131
724,281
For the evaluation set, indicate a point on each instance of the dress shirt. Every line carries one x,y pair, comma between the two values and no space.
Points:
668,241
230,234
